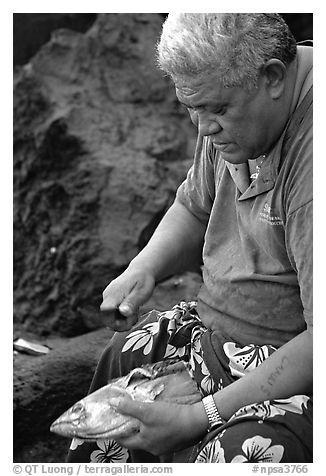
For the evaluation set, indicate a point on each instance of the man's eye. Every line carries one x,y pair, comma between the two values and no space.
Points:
220,111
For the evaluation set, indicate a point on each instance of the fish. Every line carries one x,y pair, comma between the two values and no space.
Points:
93,417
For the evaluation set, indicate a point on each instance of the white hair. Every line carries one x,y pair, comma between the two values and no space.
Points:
234,46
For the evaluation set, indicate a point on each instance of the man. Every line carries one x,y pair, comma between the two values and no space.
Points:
245,209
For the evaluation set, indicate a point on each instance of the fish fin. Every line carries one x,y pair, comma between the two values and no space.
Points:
138,373
156,390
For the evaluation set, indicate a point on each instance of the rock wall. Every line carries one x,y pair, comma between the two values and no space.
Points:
45,386
32,30
100,146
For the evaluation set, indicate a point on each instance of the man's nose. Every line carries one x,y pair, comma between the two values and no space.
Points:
207,125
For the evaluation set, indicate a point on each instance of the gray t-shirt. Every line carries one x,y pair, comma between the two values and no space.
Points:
257,255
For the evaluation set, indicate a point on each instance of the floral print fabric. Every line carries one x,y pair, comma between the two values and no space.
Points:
272,431
271,434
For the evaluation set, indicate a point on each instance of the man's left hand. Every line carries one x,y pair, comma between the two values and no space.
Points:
164,427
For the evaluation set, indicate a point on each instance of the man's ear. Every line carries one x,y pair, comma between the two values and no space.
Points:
275,73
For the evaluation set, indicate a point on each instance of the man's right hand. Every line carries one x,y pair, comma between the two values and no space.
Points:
175,246
123,297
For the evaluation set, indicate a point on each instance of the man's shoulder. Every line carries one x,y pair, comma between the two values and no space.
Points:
299,130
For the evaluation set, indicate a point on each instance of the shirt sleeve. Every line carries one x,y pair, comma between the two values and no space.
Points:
300,248
197,192
298,206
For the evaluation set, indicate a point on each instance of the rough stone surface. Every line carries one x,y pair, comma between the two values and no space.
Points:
45,386
100,146
31,31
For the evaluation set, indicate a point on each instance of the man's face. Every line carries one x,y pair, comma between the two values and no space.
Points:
241,124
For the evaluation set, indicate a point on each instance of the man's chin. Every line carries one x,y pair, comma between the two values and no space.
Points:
231,153
233,157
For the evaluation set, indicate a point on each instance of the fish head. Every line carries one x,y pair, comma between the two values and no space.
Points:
81,419
94,418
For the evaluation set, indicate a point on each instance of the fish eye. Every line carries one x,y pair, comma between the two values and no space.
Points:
78,407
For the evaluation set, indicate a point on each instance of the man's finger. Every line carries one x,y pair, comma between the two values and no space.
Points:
121,307
109,304
126,431
132,442
135,299
127,406
128,308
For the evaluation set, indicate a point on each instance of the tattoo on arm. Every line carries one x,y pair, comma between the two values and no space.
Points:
265,390
273,376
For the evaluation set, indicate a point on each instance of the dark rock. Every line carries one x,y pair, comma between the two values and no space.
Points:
100,147
45,386
300,24
32,30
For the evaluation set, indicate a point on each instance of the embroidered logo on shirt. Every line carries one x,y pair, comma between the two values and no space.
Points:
267,216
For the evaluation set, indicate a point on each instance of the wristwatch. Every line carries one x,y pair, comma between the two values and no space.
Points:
214,418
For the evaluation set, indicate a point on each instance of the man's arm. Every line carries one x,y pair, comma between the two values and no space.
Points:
287,372
175,246
166,427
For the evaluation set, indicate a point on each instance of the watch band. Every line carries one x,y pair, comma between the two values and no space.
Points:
214,418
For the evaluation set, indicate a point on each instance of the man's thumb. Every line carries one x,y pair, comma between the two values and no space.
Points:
128,308
127,406
139,294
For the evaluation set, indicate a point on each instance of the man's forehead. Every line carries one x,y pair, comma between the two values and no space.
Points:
199,89
190,85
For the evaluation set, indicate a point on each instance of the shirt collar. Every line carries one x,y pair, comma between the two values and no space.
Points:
267,174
